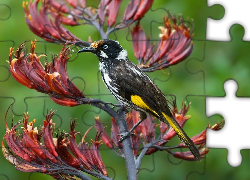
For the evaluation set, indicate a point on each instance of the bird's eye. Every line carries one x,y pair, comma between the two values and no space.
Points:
105,46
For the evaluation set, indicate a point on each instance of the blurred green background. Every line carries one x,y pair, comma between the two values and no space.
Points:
202,74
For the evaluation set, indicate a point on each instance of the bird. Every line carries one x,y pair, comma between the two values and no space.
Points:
133,88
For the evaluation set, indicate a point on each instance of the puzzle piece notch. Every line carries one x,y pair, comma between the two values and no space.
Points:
235,13
232,109
5,12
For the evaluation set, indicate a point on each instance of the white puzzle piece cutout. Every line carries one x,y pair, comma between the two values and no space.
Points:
236,12
234,136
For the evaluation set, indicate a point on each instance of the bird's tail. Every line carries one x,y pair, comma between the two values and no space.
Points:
182,135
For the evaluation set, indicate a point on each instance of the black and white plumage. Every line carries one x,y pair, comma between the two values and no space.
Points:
132,87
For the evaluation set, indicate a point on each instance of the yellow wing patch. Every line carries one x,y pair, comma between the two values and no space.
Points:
137,100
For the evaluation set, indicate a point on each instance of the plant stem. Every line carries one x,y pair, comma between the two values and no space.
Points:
143,152
127,150
120,119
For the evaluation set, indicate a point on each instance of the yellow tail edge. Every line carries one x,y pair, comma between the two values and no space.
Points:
183,137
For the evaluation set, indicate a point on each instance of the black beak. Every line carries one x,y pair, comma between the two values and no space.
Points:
87,49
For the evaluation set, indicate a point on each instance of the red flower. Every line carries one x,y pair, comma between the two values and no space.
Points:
109,9
137,9
174,45
54,156
47,21
145,133
51,79
52,30
188,155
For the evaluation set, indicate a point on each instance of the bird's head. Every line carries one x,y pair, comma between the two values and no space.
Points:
106,49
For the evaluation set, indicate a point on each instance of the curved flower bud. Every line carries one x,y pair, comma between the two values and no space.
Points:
48,29
131,10
96,156
74,148
115,134
103,134
174,46
142,9
109,142
63,151
200,139
112,11
145,133
137,9
72,8
218,126
108,8
51,79
58,157
189,156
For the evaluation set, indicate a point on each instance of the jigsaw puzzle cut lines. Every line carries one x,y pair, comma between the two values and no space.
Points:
199,80
5,12
236,12
5,71
235,134
223,60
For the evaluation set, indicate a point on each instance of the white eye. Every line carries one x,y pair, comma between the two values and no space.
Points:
105,46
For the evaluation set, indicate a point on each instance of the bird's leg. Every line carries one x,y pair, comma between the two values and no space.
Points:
143,116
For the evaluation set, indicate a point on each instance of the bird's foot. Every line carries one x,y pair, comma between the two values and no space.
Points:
125,135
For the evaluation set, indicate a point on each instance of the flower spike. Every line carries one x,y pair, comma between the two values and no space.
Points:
145,133
51,79
174,46
51,29
51,156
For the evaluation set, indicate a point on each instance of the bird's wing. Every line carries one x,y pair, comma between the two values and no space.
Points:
135,86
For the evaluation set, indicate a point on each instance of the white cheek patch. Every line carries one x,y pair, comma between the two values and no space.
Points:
122,55
103,54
